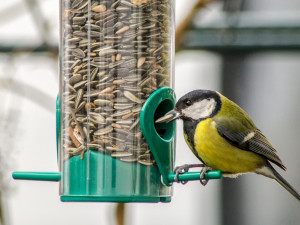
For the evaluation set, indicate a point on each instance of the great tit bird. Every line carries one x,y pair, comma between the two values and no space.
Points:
224,138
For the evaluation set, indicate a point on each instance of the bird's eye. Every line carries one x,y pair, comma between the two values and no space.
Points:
188,102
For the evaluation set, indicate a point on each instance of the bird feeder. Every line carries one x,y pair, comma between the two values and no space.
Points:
116,75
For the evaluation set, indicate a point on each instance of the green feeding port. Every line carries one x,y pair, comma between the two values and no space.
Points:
164,130
160,137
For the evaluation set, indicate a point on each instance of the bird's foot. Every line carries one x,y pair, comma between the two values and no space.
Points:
183,169
203,172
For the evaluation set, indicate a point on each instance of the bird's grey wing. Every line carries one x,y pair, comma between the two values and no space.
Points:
249,140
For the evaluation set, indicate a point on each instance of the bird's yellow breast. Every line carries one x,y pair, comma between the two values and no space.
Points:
219,154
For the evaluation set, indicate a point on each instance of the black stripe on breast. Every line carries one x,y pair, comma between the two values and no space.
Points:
189,127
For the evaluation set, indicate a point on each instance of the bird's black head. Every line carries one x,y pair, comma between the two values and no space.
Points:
195,105
198,105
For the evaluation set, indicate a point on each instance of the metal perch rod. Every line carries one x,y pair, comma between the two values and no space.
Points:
56,176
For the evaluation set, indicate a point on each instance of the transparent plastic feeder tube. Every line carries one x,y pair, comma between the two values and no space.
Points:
113,55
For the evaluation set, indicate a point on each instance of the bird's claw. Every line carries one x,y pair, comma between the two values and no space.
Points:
203,172
180,170
183,169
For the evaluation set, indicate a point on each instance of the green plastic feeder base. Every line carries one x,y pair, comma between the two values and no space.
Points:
101,178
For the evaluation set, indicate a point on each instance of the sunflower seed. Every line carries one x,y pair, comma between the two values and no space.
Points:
121,154
103,131
132,97
129,158
78,98
99,8
75,79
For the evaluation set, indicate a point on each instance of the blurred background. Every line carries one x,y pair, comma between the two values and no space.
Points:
248,50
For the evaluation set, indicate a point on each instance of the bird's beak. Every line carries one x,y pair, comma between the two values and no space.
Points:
169,117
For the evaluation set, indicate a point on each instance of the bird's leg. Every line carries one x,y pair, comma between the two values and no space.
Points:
183,169
203,172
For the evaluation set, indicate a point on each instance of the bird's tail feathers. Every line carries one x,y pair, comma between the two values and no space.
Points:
270,172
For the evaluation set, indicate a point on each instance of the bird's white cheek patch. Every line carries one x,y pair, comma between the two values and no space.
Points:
201,109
